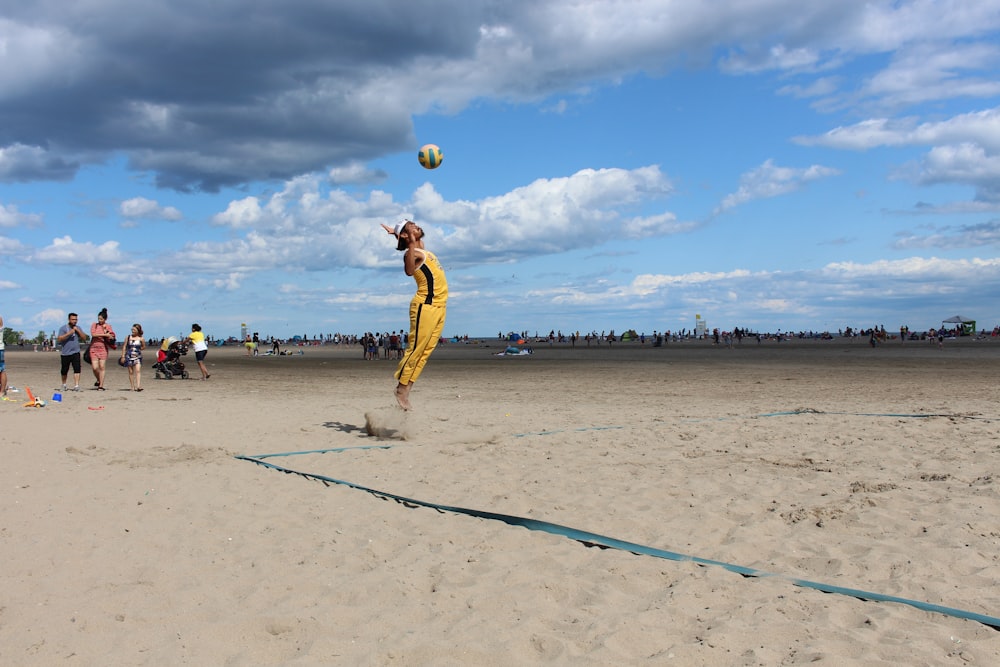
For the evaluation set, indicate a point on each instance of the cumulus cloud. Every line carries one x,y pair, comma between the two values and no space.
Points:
979,127
305,227
20,163
49,318
10,216
963,164
964,150
769,180
9,246
356,173
65,250
140,208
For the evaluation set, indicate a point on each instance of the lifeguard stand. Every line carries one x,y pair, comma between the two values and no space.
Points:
700,326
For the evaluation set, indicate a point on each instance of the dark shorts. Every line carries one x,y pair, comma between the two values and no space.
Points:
200,355
2,366
70,360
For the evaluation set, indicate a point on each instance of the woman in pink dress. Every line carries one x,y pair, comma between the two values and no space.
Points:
102,339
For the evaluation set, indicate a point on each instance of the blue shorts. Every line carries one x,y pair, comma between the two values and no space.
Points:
2,366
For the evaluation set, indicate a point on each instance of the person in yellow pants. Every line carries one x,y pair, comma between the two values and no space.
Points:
427,308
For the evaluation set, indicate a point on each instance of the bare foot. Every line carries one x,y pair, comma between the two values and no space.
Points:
403,396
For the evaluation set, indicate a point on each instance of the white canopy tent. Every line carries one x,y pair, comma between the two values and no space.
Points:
968,326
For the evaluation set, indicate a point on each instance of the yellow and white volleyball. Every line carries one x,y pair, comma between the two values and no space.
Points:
430,156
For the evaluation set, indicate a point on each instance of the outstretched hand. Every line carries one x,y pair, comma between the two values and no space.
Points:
388,229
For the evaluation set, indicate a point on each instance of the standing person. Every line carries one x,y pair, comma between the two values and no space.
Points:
132,356
394,346
197,340
3,367
427,308
69,338
102,340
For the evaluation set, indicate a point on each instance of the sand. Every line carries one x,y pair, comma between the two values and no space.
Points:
130,534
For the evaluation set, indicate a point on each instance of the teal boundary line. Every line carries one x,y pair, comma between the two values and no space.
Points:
604,542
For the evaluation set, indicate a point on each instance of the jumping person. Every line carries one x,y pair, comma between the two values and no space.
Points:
427,308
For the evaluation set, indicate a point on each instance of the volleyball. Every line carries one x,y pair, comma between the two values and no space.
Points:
430,156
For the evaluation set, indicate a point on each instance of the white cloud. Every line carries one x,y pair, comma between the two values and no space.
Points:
769,180
10,216
240,214
979,127
930,269
965,150
356,173
942,70
64,250
148,209
9,246
777,57
964,164
302,227
49,318
949,237
820,87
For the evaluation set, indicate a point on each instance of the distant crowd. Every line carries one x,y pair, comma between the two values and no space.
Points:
391,344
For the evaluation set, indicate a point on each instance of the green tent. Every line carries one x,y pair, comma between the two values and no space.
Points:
968,326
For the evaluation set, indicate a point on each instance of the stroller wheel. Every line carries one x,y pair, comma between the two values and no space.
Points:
167,375
186,375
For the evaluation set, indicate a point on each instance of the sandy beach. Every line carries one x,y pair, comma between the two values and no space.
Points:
131,534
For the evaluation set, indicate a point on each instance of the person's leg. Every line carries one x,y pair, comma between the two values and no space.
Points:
200,356
426,326
99,372
138,376
74,360
3,382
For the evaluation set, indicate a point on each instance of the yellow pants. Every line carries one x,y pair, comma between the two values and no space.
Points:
426,325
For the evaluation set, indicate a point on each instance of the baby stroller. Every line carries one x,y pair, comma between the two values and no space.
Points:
168,359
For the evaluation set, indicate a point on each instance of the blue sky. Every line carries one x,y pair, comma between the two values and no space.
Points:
608,165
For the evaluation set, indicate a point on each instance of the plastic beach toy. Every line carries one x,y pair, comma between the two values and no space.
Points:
33,402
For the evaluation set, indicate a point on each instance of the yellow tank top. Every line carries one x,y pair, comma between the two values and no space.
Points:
432,286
